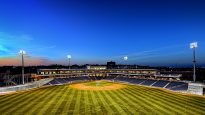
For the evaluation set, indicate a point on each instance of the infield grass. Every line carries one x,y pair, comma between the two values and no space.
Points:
99,83
129,100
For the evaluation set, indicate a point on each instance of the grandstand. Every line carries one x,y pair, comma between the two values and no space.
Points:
92,93
170,85
143,77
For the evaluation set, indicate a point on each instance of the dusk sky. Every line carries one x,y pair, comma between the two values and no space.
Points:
149,32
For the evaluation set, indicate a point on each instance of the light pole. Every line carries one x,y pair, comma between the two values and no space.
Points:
22,53
194,46
69,57
125,59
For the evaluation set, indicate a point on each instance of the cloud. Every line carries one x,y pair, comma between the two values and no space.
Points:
147,53
29,61
45,47
8,37
25,38
11,44
4,49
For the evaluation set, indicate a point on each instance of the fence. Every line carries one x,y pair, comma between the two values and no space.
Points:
25,87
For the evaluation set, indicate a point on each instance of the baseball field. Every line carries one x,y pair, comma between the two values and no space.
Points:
100,97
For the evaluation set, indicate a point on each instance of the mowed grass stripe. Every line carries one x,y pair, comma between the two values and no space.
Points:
68,101
130,100
104,107
177,100
56,96
113,102
179,97
17,100
128,103
99,108
106,103
82,102
42,101
16,105
188,107
4,98
198,101
188,99
88,103
62,105
110,104
174,106
47,108
154,105
62,101
27,105
93,102
72,104
144,107
122,102
77,104
15,97
161,102
59,100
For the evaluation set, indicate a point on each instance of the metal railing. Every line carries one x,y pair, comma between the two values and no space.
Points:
35,84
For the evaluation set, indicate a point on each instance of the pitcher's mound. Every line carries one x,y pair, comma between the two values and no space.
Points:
98,85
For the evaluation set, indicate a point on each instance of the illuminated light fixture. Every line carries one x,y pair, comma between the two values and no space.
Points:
22,53
193,46
69,57
125,58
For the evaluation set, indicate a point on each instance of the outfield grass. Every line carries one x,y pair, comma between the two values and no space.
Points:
129,100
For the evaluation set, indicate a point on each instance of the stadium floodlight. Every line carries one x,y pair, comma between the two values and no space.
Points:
69,57
193,46
22,53
125,58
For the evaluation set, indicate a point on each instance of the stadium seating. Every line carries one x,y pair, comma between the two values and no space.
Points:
177,86
148,82
171,85
138,81
161,83
58,81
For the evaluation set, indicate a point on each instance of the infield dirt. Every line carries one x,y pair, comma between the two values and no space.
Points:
82,86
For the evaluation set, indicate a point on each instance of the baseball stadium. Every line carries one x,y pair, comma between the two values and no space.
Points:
101,91
102,57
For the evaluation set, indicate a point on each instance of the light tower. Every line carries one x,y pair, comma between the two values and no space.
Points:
125,59
194,46
69,57
22,53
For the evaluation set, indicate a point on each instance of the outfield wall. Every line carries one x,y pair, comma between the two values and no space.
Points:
25,86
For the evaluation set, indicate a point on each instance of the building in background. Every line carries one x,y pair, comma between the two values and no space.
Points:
111,65
93,67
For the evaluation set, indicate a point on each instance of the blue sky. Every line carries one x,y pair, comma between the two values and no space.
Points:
95,31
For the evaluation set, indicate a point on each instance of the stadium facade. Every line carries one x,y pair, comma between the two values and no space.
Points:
98,71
